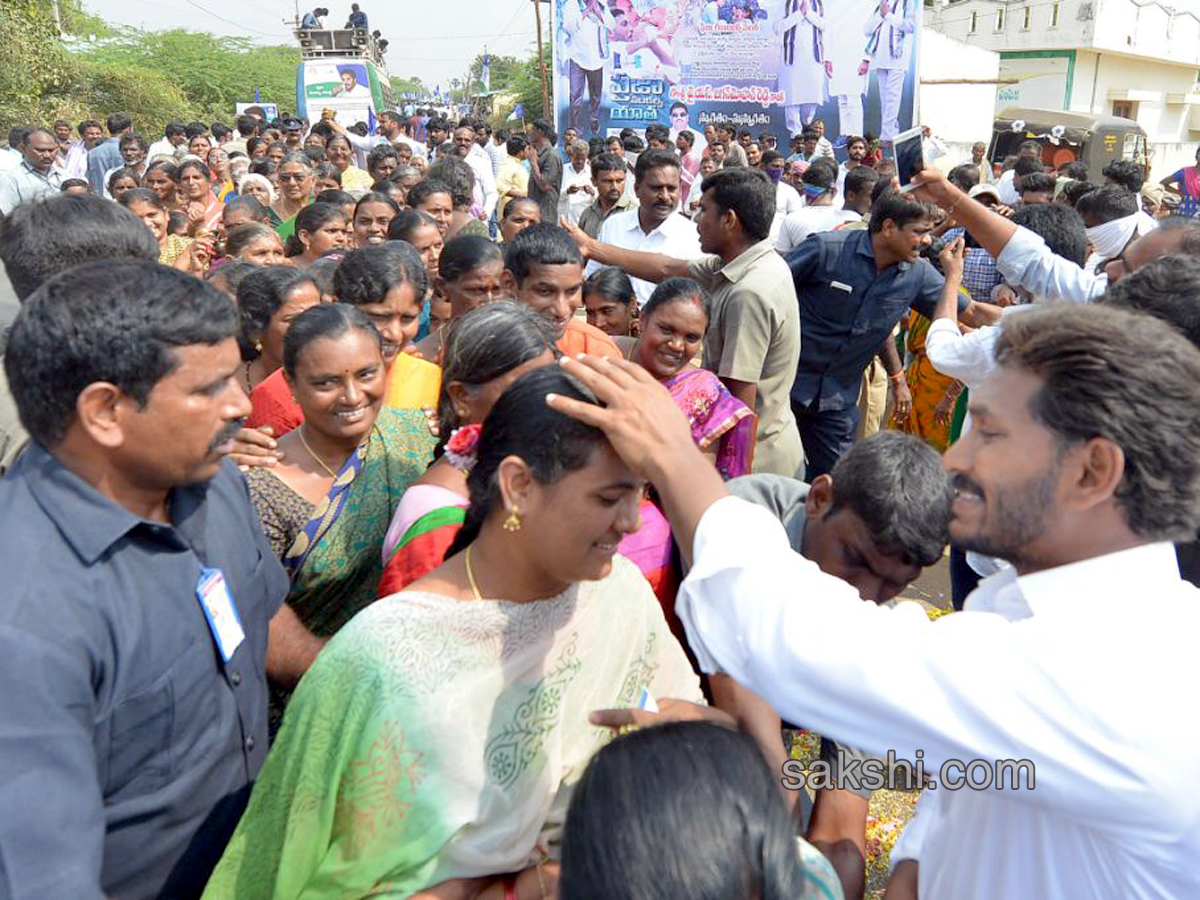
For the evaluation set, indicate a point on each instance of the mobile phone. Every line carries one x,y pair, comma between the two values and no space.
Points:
908,156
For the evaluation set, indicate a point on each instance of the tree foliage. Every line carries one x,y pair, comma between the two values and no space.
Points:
155,76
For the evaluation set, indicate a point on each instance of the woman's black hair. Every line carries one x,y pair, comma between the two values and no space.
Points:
638,826
325,321
177,223
141,195
672,289
406,223
452,171
264,167
610,283
259,296
484,344
368,273
423,190
312,218
339,137
252,145
466,253
195,164
512,204
321,271
521,424
376,197
335,196
239,238
167,166
229,277
123,172
326,170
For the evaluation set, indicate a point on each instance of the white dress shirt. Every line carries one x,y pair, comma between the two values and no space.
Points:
587,34
163,147
787,200
1028,262
798,225
1086,670
497,153
481,165
573,205
1006,187
676,236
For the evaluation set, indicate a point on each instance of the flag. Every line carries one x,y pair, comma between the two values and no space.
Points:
256,100
486,74
517,113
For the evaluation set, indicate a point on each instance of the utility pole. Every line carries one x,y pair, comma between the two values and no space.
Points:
59,26
537,12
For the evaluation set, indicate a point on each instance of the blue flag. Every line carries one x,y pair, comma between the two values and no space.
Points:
486,74
517,113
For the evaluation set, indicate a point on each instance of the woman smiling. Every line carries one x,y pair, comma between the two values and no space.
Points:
325,505
438,736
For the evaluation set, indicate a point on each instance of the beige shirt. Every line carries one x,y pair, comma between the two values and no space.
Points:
13,436
754,335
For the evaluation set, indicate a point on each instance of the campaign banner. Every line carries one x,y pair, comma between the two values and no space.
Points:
346,87
765,65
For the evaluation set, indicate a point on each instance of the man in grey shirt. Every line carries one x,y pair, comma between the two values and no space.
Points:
881,516
137,591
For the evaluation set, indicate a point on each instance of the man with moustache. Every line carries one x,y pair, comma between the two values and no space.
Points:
134,649
656,225
1067,675
609,175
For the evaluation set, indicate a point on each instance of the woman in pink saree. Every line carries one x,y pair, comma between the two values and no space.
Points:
673,323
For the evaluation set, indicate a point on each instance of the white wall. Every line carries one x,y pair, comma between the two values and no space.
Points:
1149,84
959,114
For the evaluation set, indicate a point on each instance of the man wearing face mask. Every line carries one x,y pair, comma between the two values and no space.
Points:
787,196
1114,218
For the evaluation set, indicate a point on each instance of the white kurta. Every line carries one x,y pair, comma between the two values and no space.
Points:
802,58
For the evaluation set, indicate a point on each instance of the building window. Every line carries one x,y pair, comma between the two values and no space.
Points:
1124,109
975,26
1025,18
1000,20
1054,16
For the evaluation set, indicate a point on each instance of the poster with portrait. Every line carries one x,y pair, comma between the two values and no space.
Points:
765,65
340,85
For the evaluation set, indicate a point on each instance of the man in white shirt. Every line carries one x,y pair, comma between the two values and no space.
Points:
91,133
822,210
656,225
36,175
174,137
390,129
1007,183
481,164
577,189
586,24
1057,773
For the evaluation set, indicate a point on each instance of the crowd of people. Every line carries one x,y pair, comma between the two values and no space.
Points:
456,513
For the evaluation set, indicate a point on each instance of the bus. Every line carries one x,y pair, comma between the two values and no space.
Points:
342,70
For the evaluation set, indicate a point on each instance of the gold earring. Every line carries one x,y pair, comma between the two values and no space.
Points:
513,522
258,346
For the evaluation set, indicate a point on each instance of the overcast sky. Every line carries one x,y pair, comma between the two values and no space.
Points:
436,43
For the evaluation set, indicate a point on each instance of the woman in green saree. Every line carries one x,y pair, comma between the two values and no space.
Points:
432,748
326,504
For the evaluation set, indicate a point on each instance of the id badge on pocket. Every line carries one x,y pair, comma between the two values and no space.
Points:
220,611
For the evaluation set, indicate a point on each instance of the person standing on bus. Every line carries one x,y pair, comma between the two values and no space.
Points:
358,18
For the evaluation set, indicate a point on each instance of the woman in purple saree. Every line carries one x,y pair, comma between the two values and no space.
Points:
673,323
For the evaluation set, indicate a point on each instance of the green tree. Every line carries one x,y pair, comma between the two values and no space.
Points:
211,73
34,68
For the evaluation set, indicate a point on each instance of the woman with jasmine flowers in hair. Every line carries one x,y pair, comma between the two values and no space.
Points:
485,351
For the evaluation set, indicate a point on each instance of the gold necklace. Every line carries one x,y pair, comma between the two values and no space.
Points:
324,465
471,575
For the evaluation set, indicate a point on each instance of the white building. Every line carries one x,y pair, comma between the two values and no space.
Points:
1138,60
958,89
